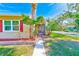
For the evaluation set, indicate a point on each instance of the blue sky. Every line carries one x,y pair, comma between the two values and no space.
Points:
44,9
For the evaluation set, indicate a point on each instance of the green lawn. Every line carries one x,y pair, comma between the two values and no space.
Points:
64,48
63,36
63,45
16,50
6,51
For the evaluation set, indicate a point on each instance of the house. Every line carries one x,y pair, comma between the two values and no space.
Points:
12,28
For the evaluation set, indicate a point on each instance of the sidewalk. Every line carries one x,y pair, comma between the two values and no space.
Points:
39,48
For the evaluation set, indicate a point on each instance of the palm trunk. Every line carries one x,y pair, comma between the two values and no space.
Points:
30,35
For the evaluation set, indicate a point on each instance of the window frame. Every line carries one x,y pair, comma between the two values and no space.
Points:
11,26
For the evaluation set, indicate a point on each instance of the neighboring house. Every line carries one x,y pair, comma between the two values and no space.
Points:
12,27
69,25
70,28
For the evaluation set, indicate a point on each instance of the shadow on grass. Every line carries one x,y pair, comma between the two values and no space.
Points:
64,48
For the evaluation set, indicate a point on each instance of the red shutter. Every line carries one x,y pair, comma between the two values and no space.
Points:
1,26
21,26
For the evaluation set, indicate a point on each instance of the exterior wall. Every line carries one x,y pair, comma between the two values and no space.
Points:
23,33
14,35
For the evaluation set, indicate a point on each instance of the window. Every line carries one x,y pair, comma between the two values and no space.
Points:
11,25
15,25
7,26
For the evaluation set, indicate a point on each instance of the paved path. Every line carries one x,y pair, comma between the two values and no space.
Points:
61,32
39,48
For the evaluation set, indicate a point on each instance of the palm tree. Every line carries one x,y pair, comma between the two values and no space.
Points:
38,23
34,10
33,17
28,21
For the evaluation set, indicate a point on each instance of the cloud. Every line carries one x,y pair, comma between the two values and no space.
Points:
51,4
3,10
5,6
10,9
1,5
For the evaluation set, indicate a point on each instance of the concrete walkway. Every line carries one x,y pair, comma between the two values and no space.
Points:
39,48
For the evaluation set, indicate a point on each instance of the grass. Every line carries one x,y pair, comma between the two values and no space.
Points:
62,45
16,50
6,51
63,36
63,48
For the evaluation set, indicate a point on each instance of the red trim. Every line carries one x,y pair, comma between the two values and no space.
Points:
17,39
1,26
21,26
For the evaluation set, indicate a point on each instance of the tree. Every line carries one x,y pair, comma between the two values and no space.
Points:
77,24
73,7
28,21
40,21
53,26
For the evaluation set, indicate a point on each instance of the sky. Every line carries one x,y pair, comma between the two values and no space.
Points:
43,9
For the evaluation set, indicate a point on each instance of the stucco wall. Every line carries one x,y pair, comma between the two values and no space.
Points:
24,34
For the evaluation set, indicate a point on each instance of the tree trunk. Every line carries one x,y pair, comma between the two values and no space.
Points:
30,35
